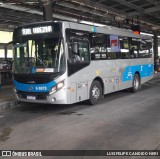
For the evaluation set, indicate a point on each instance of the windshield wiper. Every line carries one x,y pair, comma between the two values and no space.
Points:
41,62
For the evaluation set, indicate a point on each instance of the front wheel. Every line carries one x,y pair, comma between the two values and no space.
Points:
136,83
95,93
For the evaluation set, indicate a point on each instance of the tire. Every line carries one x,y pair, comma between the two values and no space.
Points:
136,83
95,93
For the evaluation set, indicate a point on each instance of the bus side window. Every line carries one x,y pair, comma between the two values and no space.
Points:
149,43
113,47
99,47
145,49
75,52
134,47
124,47
84,51
78,51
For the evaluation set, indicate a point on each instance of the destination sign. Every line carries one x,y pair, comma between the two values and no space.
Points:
37,30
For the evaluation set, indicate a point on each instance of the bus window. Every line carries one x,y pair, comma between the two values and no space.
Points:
124,47
134,47
79,51
84,51
113,48
98,47
47,54
145,49
104,47
149,44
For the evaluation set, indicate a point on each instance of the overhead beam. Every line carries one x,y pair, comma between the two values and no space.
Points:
100,11
97,6
152,10
131,5
27,10
89,11
133,14
156,3
81,17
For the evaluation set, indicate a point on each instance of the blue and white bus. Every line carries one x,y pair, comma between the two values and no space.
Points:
65,62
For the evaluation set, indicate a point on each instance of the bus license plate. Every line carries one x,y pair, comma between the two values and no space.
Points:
31,97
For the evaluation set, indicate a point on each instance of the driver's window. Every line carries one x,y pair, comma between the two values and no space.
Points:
75,52
84,51
79,51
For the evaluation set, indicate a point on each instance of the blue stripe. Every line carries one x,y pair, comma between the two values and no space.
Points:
34,87
144,70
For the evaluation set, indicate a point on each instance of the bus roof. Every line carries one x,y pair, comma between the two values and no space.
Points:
90,28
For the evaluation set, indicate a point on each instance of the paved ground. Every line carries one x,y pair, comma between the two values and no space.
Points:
6,94
122,121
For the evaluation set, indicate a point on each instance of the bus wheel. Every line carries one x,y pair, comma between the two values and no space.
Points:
95,93
136,83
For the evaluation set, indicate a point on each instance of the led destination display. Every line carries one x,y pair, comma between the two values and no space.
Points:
37,30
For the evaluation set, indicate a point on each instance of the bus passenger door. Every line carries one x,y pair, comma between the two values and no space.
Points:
124,63
113,58
113,80
79,59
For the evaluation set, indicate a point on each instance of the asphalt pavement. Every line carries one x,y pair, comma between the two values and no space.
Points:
122,121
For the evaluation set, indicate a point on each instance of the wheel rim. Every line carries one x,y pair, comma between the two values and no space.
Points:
95,92
136,83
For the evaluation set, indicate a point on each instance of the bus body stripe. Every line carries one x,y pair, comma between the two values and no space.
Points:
144,70
34,87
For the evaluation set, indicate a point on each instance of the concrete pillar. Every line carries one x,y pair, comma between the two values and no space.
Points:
155,44
0,80
47,10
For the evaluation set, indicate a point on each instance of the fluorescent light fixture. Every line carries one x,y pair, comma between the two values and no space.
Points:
146,34
91,23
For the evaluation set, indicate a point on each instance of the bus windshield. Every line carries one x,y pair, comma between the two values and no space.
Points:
39,56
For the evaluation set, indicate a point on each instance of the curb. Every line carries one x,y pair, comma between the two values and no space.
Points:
8,105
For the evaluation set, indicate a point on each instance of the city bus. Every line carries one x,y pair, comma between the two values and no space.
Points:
63,62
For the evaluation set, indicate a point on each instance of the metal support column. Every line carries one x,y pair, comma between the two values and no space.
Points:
0,80
47,10
155,46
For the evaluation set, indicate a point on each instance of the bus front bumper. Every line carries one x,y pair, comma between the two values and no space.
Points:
59,97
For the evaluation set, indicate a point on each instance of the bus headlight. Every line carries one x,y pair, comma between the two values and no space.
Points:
57,87
53,90
60,85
